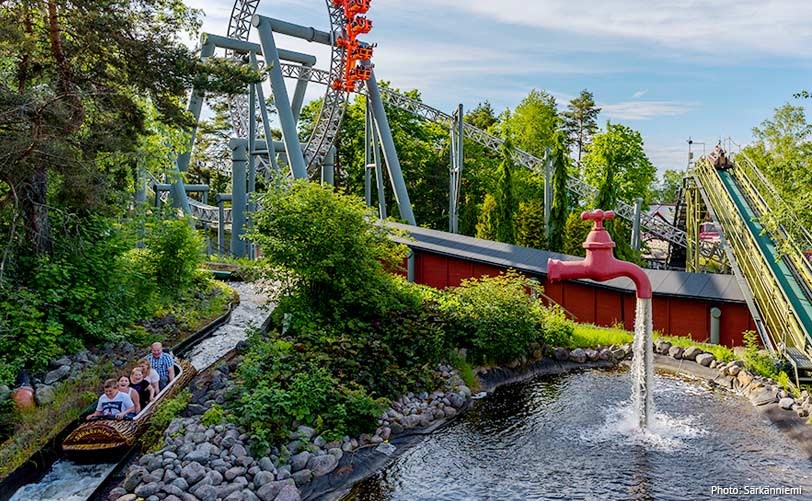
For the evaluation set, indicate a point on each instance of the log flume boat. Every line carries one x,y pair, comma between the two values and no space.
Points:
104,438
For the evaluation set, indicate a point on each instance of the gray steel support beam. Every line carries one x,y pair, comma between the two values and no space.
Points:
548,191
454,179
250,47
389,152
266,123
328,169
298,97
298,31
368,165
220,199
280,93
239,157
179,198
638,210
195,106
410,266
376,159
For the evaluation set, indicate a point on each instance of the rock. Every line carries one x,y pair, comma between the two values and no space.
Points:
675,352
205,492
265,464
618,354
133,478
147,490
244,461
449,411
116,493
305,432
44,395
269,491
802,411
215,477
662,347
262,478
172,489
301,477
5,392
319,442
193,473
234,472
200,455
786,403
127,497
560,354
456,400
745,378
733,370
57,374
704,359
322,465
578,355
288,493
238,450
283,472
691,352
762,397
59,362
604,354
386,432
299,461
591,355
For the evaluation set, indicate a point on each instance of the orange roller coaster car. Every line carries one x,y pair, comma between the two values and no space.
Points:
355,50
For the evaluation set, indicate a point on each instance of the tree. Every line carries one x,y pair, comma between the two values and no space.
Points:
783,149
504,194
486,224
575,232
533,123
620,148
482,117
529,224
581,121
75,77
668,189
560,206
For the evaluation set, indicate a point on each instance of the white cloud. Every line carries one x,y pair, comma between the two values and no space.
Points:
640,93
719,27
646,110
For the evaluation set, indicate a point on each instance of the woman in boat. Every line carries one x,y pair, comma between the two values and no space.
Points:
124,387
145,390
150,375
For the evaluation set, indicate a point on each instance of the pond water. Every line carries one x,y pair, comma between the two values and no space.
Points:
574,436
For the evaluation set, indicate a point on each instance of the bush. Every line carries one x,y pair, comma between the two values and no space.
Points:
495,317
558,329
758,361
176,249
215,415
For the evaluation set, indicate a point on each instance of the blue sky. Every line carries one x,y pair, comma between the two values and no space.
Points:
668,68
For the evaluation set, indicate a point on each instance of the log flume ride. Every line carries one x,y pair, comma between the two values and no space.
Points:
106,438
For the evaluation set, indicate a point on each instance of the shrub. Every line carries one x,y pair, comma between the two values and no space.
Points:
758,361
177,251
495,317
215,415
558,329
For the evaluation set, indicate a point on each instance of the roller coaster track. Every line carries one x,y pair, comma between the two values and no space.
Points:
653,225
776,272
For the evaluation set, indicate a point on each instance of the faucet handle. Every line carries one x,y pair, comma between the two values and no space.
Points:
598,216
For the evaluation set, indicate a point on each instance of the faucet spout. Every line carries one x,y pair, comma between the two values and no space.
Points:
600,263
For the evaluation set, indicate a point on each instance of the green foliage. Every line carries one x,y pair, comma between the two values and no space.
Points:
560,206
215,415
581,121
617,157
335,261
722,353
529,223
668,188
176,250
495,318
504,194
166,412
558,329
756,360
575,232
533,123
486,224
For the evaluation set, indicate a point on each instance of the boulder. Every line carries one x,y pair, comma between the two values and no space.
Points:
561,354
322,465
786,403
604,354
116,493
762,397
270,490
675,352
662,347
147,490
57,374
299,461
45,394
592,355
265,464
305,432
127,497
193,472
302,477
288,493
578,355
262,478
234,472
691,352
133,478
745,378
733,370
705,359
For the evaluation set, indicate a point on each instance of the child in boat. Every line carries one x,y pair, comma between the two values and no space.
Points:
150,375
145,390
112,403
124,387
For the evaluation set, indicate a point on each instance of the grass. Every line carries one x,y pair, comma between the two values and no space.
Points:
588,335
722,353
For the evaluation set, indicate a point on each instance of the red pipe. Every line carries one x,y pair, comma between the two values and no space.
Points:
600,263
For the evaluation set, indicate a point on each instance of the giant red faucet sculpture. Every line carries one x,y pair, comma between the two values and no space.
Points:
600,263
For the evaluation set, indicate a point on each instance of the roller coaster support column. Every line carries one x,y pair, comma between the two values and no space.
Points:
328,169
263,109
239,151
455,179
196,104
299,95
638,209
179,198
372,159
548,191
220,199
389,152
280,93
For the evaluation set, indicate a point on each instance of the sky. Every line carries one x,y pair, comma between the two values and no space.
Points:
671,69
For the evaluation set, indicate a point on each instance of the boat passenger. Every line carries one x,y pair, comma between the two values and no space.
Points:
150,375
163,363
124,387
145,390
113,404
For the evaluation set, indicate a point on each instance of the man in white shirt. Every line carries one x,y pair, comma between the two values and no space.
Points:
113,404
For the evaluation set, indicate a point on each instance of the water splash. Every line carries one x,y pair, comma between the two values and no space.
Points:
664,432
66,481
643,364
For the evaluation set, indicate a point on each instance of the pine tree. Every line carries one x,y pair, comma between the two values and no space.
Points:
581,121
529,224
575,232
560,206
504,194
486,225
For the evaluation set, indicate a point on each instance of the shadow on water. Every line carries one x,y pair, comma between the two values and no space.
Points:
574,437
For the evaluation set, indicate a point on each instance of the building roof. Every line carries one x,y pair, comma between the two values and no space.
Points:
683,284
